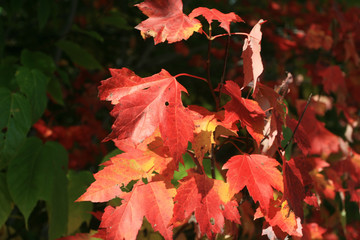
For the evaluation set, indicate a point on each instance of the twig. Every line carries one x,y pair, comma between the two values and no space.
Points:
224,68
236,147
196,161
225,34
297,125
208,63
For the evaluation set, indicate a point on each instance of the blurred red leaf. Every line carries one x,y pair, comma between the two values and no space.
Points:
280,215
333,79
293,187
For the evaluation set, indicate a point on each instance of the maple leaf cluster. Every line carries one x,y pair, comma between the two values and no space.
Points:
153,128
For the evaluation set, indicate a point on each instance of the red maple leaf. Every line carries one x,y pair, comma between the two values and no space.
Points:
301,136
320,140
214,14
280,215
313,231
135,164
210,199
258,173
293,187
153,201
253,66
333,80
247,111
166,21
144,104
269,99
208,129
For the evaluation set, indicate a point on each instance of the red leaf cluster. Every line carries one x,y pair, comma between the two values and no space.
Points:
154,128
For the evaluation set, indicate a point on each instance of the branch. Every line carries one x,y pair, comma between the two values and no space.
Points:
196,161
224,68
208,63
297,125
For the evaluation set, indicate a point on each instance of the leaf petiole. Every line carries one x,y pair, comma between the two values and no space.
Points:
189,75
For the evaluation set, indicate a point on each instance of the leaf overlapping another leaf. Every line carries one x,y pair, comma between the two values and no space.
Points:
247,111
144,104
136,163
258,173
152,200
210,200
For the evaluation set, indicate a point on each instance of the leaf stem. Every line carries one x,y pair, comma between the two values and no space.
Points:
196,161
298,123
236,147
224,67
189,75
226,34
208,63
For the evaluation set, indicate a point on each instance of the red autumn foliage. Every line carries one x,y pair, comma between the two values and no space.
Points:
153,127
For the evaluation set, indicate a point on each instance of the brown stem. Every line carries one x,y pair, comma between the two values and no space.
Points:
236,147
225,34
297,125
224,68
196,161
208,72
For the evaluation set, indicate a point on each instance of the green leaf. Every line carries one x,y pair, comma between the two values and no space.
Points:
43,12
182,172
38,60
33,84
16,5
38,172
116,19
5,200
27,178
7,73
79,55
15,122
79,212
57,204
207,168
55,91
88,33
58,208
64,77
